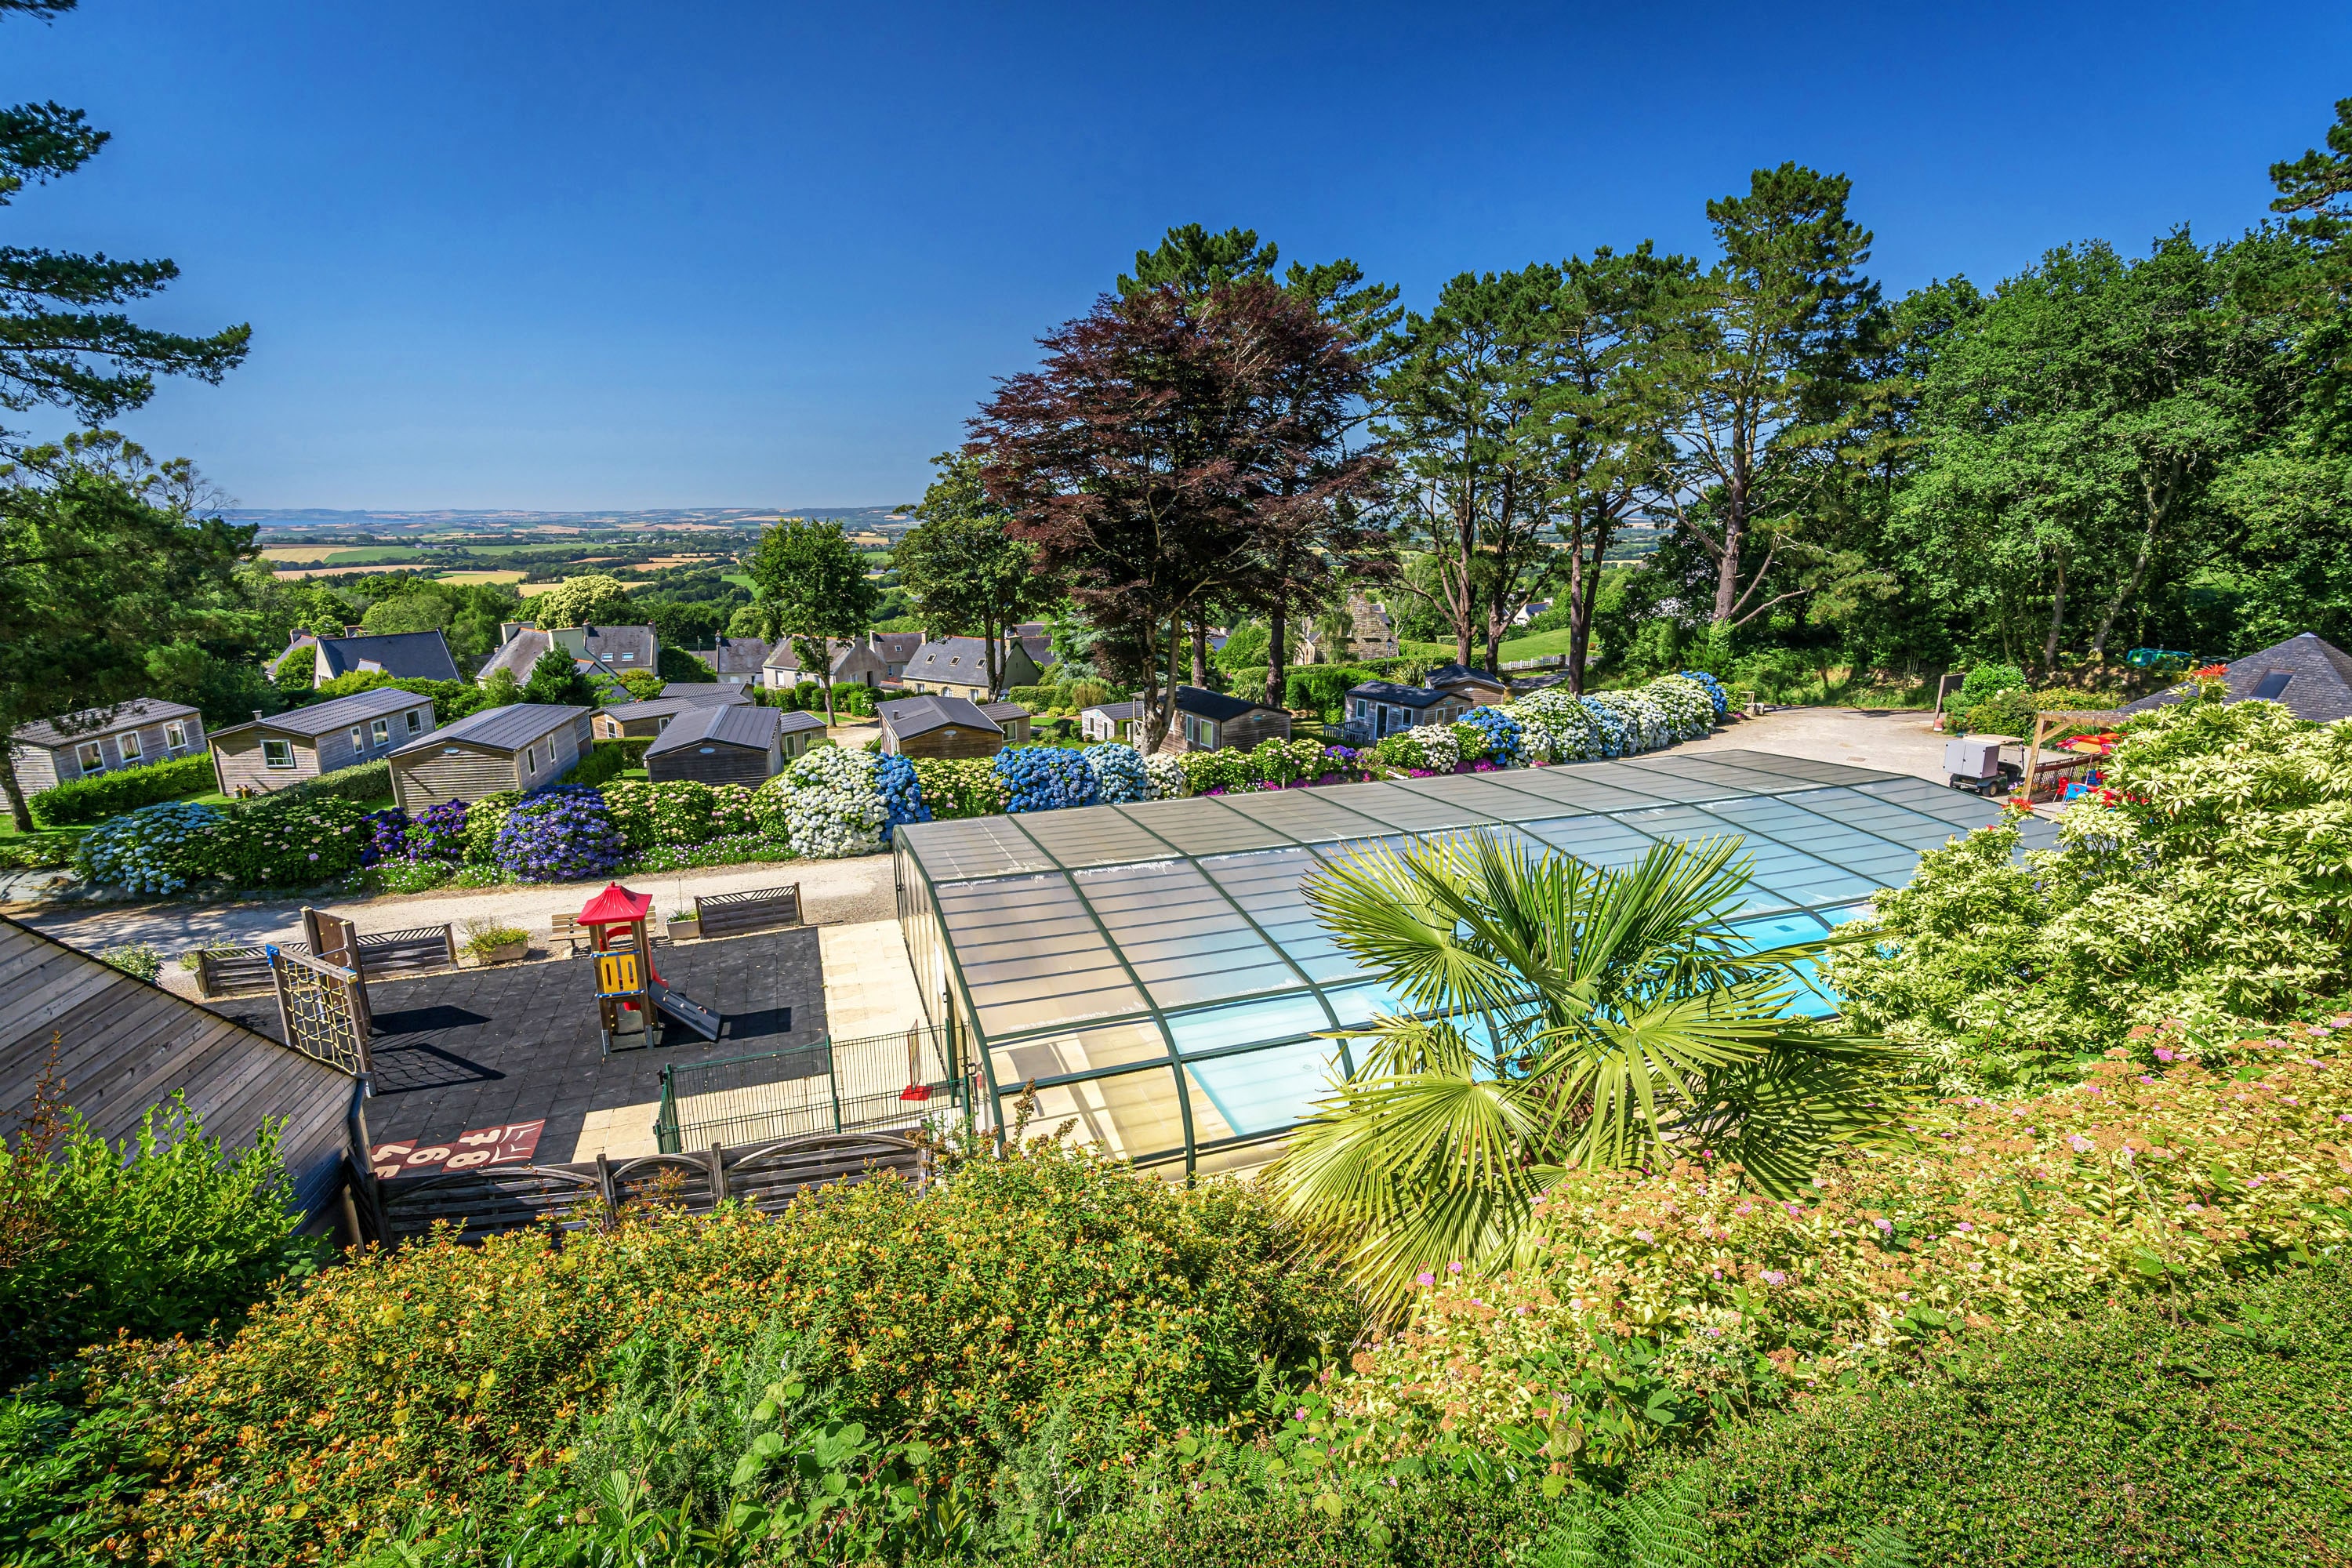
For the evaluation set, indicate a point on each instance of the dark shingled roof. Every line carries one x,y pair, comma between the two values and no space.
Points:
1216,706
735,656
411,655
1449,674
1402,696
736,724
666,704
795,721
1117,712
91,721
921,715
2316,684
506,729
324,718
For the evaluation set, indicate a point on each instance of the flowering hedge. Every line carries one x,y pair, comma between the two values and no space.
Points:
1716,697
292,844
561,834
1423,750
150,850
1501,740
901,792
1166,776
962,786
825,805
679,812
1119,773
483,820
1667,1295
438,834
1045,778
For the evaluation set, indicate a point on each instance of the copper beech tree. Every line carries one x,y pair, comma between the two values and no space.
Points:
1178,448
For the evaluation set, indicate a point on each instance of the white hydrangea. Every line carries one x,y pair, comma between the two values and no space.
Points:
1647,727
1557,727
1166,776
829,804
1689,711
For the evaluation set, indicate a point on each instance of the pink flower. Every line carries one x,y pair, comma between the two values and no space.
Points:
1454,1268
2166,1054
1774,1277
1424,1278
2080,1145
1884,1225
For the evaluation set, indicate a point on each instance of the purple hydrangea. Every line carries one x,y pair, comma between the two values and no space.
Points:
562,834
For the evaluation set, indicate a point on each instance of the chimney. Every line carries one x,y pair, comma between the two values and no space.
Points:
507,630
258,715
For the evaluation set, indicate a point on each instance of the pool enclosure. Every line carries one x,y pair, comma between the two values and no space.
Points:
1154,973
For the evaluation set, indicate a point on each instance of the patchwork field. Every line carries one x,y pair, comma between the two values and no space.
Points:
532,590
510,576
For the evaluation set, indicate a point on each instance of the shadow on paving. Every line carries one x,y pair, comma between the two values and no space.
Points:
482,1047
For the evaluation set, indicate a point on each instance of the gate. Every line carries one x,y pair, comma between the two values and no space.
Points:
894,1081
322,1009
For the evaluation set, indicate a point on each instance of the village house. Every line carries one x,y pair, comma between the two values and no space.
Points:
938,726
596,650
615,720
265,755
958,666
1483,688
1109,721
522,746
1214,721
856,662
1381,708
2307,674
51,752
1010,716
736,661
718,744
403,656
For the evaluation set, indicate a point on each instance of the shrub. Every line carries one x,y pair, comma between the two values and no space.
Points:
1045,778
1422,750
1209,772
601,764
1322,686
484,937
438,834
1278,762
1046,1290
680,812
561,834
77,801
1118,772
385,837
1641,725
1986,681
2156,1433
155,849
730,849
1670,1297
134,958
641,685
825,805
363,782
1716,697
1555,726
902,793
1498,735
964,787
283,842
1689,705
483,820
2211,889
164,1232
1166,776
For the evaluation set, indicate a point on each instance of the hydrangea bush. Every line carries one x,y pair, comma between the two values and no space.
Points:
1716,694
825,805
1422,750
483,820
1555,726
1645,725
1045,778
960,787
438,834
1690,710
295,844
902,793
561,834
1166,776
1500,737
1120,775
387,836
154,849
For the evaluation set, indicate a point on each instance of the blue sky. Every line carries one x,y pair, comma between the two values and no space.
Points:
502,253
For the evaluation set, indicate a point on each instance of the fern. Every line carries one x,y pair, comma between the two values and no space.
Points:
1876,1547
1663,1528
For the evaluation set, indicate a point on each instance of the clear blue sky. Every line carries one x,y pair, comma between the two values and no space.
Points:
685,252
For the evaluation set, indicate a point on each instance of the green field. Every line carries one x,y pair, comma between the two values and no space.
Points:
741,579
375,555
1543,645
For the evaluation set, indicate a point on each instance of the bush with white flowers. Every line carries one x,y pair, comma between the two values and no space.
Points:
1642,723
1422,750
1716,694
1166,776
826,805
1689,711
1555,726
1119,773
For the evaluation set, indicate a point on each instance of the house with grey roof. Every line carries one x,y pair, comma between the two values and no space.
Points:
856,662
1377,708
720,744
1108,721
522,746
736,661
51,752
2309,675
1484,688
958,666
272,751
939,726
596,650
1208,721
403,656
651,717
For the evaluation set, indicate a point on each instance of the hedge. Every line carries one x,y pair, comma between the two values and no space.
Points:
363,783
78,801
605,761
2212,1428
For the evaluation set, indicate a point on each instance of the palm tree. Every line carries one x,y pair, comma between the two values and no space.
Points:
1563,1019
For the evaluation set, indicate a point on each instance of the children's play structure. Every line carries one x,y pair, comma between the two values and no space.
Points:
630,992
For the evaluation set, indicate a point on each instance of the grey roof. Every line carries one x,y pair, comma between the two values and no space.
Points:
783,656
1040,649
735,656
604,647
1402,696
412,656
321,718
736,724
2317,684
699,690
132,715
794,722
1000,711
921,715
665,705
956,661
1452,674
1216,706
898,646
1117,712
507,729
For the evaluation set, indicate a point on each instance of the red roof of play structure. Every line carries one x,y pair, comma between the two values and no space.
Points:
616,905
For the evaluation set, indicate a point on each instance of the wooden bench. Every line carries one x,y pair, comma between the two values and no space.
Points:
223,970
760,909
578,938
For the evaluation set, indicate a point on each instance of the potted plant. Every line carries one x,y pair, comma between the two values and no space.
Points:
685,925
492,942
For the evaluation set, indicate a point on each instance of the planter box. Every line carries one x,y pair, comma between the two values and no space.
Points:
686,930
505,953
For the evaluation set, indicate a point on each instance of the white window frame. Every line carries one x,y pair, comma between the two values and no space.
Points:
380,730
90,756
416,722
276,751
130,745
359,743
176,735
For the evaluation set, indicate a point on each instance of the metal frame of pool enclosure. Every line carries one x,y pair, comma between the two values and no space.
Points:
1152,973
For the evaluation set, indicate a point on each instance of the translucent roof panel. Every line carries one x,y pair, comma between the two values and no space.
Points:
1303,815
1487,793
1267,886
1134,1115
1032,955
1897,824
976,846
1653,777
1183,937
1885,863
1100,836
1574,788
1602,842
1786,875
1257,1023
1206,824
1261,1091
1398,806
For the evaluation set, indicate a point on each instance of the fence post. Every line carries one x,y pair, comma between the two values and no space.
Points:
717,1160
833,1082
605,1186
665,1128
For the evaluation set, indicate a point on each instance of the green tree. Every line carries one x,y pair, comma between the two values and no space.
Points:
556,678
114,584
969,577
1758,357
813,589
595,601
641,685
1554,1018
61,342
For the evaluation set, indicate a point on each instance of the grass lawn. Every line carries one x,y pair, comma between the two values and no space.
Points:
1539,645
741,579
375,554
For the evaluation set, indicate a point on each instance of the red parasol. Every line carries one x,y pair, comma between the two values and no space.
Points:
616,905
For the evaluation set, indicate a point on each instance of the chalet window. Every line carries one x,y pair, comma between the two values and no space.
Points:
276,753
92,760
381,731
175,734
131,748
416,722
625,659
359,743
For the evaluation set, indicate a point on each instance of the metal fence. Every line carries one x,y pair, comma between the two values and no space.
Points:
894,1081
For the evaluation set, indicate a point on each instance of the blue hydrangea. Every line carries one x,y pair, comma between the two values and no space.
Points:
902,793
1502,732
1617,736
387,836
1119,777
1045,778
561,834
1715,692
154,849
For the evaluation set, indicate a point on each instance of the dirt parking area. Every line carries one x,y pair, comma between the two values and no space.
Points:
1900,740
